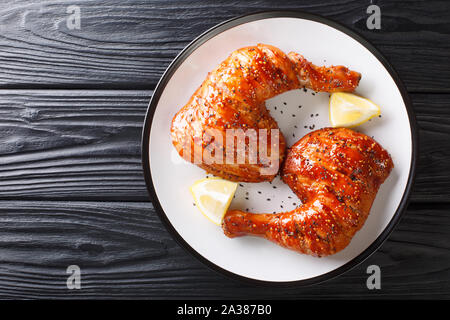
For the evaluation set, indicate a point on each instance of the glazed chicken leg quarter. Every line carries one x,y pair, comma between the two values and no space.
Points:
336,173
233,97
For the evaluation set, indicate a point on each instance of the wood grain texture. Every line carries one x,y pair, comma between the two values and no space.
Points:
433,170
128,44
72,144
125,252
85,145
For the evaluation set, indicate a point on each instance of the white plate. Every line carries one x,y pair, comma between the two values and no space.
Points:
322,42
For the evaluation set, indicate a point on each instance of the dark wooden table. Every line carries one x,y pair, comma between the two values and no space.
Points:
72,104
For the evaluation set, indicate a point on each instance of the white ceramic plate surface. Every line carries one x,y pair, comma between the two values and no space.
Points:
297,113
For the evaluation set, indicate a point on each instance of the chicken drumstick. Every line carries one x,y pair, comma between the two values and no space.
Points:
336,172
232,97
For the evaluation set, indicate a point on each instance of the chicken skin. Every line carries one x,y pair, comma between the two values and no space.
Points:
232,97
336,172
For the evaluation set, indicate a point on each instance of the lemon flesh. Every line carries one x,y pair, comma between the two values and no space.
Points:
349,110
213,197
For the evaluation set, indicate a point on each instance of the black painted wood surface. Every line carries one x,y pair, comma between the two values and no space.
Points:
72,104
128,44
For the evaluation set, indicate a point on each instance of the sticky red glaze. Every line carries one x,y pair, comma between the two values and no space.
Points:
336,172
233,97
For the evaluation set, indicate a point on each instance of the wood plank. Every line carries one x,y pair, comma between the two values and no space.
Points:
124,251
85,145
433,171
72,144
128,44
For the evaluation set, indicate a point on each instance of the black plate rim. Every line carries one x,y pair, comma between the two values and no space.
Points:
212,32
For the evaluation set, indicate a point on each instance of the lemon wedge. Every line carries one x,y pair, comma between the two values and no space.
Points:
213,197
349,110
